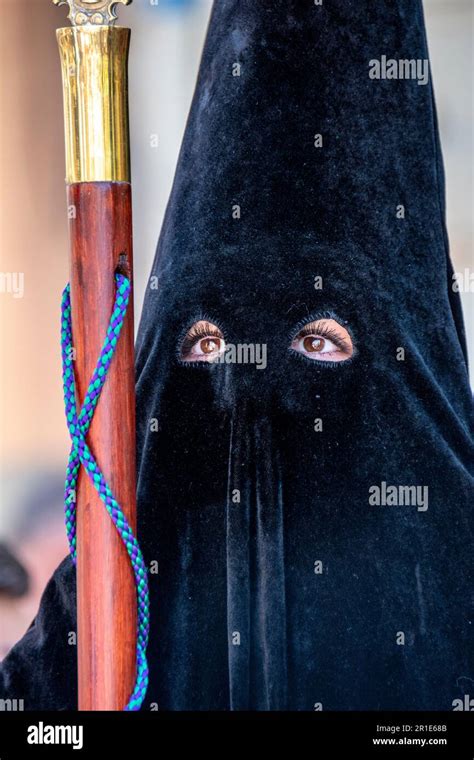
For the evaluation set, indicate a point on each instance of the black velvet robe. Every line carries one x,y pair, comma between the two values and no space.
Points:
280,585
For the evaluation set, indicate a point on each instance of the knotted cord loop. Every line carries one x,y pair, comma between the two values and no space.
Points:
80,454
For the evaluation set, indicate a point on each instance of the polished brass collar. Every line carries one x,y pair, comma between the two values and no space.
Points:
95,91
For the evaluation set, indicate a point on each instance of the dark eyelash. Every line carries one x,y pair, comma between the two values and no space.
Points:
325,332
194,334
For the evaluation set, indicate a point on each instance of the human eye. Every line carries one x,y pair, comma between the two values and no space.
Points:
203,342
323,340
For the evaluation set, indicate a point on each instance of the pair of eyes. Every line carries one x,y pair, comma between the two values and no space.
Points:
319,340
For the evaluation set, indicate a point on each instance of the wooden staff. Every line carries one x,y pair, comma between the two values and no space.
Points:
94,56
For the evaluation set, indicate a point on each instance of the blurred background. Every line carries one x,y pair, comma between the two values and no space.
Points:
167,38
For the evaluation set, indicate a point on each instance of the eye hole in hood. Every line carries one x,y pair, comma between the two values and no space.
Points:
323,340
203,342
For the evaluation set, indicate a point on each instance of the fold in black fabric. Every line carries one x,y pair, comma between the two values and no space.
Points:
281,584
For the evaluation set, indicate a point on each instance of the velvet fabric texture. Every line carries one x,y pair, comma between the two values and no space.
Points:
281,584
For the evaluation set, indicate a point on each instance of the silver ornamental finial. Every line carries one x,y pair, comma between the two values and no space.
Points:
93,12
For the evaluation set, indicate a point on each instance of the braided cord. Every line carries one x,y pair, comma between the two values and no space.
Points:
81,454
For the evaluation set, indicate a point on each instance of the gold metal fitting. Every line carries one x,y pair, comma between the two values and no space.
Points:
91,11
94,59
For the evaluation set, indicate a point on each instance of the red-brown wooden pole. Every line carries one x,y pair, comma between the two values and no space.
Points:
101,241
94,70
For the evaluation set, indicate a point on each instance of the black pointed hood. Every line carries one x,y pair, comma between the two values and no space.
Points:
310,518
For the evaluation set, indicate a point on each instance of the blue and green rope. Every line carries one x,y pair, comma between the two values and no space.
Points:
81,455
